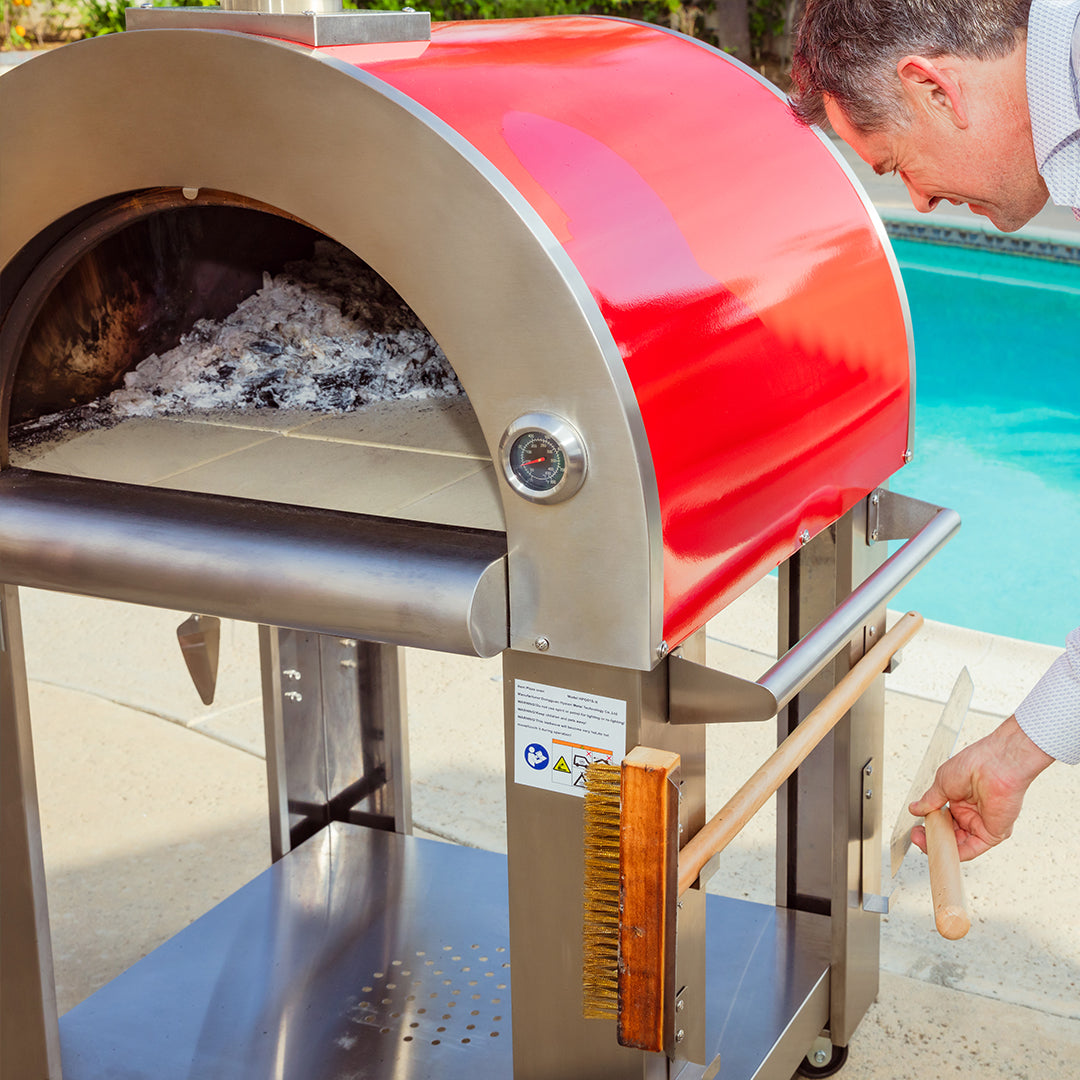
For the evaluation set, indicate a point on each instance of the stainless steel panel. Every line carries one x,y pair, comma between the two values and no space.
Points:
277,762
768,987
353,575
365,954
384,743
493,281
702,695
544,841
896,517
334,716
290,22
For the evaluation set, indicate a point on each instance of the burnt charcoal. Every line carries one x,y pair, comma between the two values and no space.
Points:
268,348
327,335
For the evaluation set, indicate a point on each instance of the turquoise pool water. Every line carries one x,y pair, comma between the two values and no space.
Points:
997,437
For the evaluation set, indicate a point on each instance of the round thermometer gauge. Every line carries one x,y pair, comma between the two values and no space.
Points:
543,458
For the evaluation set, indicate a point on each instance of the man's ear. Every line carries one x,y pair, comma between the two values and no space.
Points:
931,85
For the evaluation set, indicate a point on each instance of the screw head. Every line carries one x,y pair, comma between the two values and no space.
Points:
542,644
680,1035
804,536
869,770
907,456
820,1057
869,793
662,649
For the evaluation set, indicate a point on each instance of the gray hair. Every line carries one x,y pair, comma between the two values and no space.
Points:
849,49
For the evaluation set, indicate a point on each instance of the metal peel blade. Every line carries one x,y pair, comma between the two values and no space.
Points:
942,741
200,638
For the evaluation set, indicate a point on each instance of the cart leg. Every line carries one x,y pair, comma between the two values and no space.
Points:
828,829
29,1032
545,864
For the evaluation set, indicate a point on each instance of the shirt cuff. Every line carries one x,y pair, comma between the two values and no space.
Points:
1050,714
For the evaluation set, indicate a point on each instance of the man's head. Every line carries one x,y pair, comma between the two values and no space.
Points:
934,90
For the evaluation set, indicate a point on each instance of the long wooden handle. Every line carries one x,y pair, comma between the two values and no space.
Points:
950,912
721,829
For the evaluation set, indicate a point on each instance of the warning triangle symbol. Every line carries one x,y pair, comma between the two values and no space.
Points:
561,766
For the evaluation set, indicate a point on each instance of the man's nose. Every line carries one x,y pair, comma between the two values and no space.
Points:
922,202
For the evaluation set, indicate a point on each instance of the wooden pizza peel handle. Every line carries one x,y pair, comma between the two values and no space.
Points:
950,913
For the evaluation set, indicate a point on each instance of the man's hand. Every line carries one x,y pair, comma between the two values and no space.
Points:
984,786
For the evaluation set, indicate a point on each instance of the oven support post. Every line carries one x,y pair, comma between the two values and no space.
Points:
29,1031
544,845
335,723
828,832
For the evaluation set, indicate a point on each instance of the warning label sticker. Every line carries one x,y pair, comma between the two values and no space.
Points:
558,733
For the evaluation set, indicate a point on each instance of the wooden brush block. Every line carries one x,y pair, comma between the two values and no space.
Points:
648,879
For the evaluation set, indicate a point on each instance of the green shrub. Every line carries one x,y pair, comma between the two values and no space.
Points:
107,16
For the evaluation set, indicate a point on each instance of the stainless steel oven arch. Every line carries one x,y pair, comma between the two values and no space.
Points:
327,144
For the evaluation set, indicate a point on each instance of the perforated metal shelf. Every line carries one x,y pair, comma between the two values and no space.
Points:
365,955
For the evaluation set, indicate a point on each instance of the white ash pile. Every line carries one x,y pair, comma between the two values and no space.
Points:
327,334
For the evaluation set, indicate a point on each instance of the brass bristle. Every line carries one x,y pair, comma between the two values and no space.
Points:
600,975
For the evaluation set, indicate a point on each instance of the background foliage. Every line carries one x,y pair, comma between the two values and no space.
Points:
754,30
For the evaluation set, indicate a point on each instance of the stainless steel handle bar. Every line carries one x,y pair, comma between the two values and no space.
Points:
354,575
803,661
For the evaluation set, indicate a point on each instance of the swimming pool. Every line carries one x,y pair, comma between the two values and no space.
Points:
997,436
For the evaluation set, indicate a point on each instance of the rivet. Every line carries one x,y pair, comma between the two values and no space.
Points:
680,1035
869,793
680,1005
907,456
662,649
542,644
804,536
869,770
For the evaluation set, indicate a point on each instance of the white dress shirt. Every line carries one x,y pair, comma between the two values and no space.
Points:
1050,714
1053,89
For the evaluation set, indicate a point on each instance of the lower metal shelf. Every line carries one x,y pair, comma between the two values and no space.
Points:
365,954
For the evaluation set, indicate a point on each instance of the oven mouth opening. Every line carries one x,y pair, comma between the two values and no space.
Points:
155,272
233,328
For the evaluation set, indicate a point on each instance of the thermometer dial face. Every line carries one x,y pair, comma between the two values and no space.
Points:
543,458
538,460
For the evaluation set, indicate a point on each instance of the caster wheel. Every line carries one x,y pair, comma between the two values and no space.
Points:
819,1062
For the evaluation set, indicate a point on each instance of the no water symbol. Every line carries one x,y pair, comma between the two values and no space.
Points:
536,757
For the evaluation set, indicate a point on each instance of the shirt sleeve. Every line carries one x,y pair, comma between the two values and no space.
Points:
1050,714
